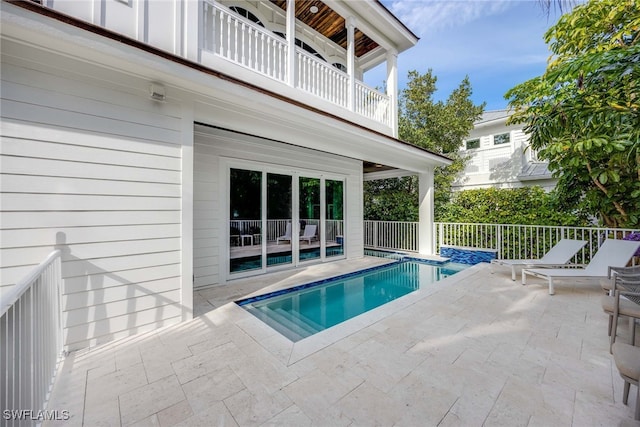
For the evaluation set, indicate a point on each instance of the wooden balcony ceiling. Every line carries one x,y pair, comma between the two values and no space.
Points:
329,24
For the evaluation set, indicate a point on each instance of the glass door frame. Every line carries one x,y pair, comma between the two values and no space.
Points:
225,182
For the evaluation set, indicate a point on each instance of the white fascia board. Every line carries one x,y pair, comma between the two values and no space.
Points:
395,173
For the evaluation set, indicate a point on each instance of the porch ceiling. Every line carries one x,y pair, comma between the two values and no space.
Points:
329,23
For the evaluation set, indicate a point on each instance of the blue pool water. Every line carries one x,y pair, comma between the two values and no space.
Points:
305,310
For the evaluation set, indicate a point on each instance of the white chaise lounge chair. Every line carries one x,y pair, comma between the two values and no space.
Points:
309,233
614,253
557,256
287,235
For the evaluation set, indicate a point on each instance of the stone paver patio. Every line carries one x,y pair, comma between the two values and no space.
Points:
474,349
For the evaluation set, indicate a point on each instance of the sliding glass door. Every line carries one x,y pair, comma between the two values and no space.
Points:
309,217
279,219
245,220
334,224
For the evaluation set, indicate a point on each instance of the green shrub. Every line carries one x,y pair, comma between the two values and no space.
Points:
526,206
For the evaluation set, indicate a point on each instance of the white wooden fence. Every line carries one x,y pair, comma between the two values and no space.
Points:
510,240
30,342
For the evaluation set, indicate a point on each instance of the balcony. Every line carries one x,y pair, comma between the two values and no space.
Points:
234,38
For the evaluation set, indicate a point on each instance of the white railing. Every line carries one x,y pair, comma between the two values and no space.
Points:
510,241
30,341
372,104
322,79
391,235
278,227
234,38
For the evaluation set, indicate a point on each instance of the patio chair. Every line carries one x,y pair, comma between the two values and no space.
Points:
615,253
624,302
286,236
309,233
627,360
607,284
557,256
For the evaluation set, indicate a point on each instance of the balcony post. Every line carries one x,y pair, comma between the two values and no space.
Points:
392,88
291,43
425,213
351,60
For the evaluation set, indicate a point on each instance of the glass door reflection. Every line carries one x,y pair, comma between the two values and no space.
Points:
334,221
309,214
279,239
245,220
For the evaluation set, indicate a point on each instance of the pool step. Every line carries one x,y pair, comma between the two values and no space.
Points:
304,322
293,326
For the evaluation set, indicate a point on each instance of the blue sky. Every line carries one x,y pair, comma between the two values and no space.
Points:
497,43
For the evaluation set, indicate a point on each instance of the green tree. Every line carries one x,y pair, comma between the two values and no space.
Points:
583,113
439,126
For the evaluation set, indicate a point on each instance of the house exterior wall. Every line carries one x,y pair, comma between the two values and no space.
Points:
214,148
499,165
91,165
94,169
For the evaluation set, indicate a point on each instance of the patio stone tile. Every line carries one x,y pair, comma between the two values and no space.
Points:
368,405
478,350
515,404
423,400
127,357
216,415
292,416
212,387
150,399
316,392
260,370
175,414
112,385
381,367
255,407
150,421
105,412
190,368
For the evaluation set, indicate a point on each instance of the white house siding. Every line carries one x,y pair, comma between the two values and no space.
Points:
92,166
212,146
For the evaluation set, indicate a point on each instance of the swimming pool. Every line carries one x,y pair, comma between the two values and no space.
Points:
305,310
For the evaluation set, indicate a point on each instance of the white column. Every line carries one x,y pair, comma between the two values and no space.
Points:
186,262
392,88
351,60
425,213
291,42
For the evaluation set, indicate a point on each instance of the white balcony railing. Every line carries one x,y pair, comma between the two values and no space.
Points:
30,341
322,79
232,37
510,241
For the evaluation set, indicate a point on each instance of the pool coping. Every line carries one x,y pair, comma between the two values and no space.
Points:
291,352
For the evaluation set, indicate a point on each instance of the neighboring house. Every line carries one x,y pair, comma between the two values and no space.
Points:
166,146
500,156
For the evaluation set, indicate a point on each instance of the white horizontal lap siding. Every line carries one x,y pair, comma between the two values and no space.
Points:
96,172
213,145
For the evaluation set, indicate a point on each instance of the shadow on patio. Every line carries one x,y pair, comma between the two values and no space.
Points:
474,349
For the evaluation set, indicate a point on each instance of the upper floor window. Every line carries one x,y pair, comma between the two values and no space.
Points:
503,138
473,143
246,14
340,66
302,45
